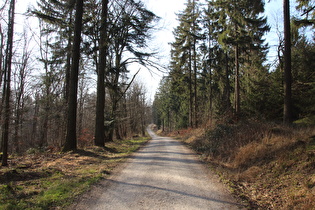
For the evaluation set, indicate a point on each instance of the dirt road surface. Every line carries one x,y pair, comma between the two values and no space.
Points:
164,174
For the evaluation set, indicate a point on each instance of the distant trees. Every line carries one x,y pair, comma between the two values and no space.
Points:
244,27
212,46
128,30
217,73
56,25
231,68
184,61
303,78
54,103
129,35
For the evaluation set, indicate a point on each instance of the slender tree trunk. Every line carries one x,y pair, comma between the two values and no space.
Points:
71,137
81,108
125,116
115,97
44,129
113,125
7,88
17,123
195,67
35,120
287,111
99,136
44,122
67,78
210,78
68,60
191,109
1,56
227,86
237,83
195,85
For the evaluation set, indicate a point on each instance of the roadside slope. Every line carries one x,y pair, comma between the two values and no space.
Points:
271,166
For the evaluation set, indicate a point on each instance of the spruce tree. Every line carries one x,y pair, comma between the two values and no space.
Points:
216,63
244,28
184,56
59,19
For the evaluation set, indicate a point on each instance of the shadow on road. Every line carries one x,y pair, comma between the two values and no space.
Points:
174,191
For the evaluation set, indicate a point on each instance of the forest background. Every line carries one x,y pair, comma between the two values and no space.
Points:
54,86
217,74
220,71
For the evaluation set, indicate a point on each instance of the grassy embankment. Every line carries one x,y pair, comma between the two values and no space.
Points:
270,166
54,180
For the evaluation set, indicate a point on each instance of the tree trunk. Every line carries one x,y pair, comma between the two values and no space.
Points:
1,56
71,137
99,136
287,109
195,67
81,108
237,83
68,61
7,88
195,85
191,109
35,121
226,91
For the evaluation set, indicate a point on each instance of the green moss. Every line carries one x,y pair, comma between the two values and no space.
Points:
306,121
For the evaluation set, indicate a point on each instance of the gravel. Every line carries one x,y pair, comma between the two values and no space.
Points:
164,174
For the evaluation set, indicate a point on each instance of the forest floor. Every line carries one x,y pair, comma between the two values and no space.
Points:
54,180
270,166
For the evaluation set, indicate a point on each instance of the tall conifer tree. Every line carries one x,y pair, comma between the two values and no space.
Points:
184,64
71,137
99,136
244,30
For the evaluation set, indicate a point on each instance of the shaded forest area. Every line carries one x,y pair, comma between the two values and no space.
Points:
65,78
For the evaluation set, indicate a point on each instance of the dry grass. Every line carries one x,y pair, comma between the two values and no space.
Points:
52,180
271,166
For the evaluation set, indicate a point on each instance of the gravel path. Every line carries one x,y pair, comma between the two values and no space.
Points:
162,175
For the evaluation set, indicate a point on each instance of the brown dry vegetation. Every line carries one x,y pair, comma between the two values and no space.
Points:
270,166
53,180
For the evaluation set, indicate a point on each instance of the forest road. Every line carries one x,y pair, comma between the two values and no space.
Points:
164,174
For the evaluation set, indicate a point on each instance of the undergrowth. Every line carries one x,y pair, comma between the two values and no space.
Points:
271,166
52,180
